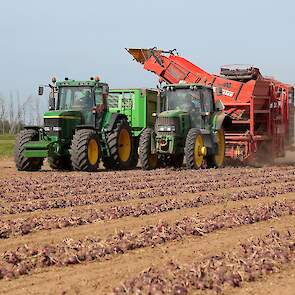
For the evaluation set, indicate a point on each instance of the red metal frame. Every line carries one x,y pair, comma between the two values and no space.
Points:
258,107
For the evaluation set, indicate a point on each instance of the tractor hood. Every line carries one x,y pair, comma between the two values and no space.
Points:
172,113
70,115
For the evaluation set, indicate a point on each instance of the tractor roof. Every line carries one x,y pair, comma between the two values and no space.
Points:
76,83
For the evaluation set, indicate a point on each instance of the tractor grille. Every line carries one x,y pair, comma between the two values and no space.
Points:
53,122
167,121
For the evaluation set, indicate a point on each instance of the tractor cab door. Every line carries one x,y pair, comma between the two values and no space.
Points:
207,107
101,106
86,110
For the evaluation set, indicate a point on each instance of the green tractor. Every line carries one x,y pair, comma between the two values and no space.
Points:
79,130
190,125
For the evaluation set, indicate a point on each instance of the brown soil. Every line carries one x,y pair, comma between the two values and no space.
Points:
101,277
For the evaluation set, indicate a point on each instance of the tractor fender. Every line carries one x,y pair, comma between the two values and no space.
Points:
114,118
222,120
79,127
37,128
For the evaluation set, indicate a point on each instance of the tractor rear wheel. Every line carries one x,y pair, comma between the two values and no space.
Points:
85,150
217,160
120,143
147,159
60,163
194,149
23,163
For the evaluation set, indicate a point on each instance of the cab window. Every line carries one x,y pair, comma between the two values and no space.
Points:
98,96
208,100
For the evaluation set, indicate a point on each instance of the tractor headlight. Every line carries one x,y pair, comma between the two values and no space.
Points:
167,128
47,129
56,128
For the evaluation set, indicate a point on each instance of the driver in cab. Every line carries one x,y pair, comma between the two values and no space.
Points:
86,101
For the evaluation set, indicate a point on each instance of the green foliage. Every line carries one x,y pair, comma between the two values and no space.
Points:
6,145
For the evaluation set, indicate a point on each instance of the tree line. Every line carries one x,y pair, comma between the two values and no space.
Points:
16,112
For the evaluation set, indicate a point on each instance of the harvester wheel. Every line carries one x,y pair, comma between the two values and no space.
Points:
147,159
194,149
23,163
120,143
60,163
217,160
85,150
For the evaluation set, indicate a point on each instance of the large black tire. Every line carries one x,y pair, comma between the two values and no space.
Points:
23,163
193,146
217,160
135,156
147,159
120,143
60,163
85,150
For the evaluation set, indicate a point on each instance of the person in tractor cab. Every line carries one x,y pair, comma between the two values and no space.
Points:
188,105
195,110
86,101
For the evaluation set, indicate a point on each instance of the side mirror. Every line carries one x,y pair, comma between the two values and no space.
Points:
51,102
40,90
219,91
219,105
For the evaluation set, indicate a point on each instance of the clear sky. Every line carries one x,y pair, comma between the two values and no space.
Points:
79,39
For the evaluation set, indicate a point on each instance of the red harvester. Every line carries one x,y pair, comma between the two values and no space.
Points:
261,108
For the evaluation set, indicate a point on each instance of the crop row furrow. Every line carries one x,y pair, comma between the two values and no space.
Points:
172,190
252,260
23,226
27,258
18,190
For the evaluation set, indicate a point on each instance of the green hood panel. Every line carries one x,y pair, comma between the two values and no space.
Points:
75,115
172,113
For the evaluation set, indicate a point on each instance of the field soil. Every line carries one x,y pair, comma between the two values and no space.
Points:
167,231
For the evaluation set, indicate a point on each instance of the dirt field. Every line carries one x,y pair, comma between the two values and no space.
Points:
227,231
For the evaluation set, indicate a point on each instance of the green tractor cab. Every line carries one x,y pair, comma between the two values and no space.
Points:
190,125
79,130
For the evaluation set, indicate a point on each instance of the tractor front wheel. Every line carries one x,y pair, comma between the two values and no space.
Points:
195,149
217,160
147,159
85,150
23,163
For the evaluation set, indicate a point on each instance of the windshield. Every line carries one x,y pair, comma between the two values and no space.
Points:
75,98
184,99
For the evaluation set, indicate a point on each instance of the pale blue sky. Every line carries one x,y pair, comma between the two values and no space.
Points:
78,39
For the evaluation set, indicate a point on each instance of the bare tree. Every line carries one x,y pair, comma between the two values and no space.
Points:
2,113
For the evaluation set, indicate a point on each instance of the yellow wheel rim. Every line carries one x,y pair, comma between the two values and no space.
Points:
124,145
93,151
153,161
219,157
199,151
